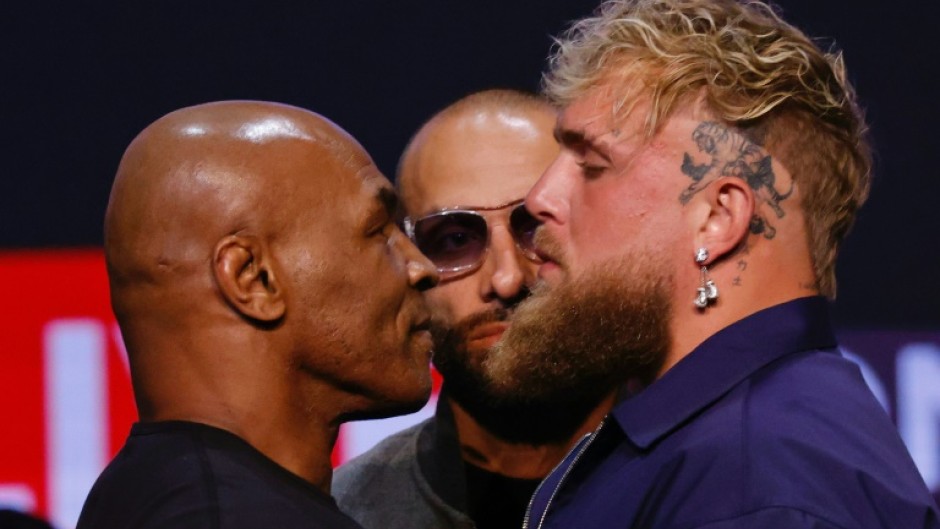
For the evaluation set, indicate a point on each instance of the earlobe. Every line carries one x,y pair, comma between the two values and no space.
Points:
243,273
731,206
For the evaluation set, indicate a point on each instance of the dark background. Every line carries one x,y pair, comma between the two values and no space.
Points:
79,80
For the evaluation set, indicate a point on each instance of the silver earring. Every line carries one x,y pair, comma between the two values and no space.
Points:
708,292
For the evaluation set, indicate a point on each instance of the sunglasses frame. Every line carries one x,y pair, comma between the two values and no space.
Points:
409,224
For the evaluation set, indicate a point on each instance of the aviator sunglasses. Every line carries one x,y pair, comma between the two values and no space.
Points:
456,240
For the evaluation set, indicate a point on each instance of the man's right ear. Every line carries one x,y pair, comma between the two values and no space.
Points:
243,272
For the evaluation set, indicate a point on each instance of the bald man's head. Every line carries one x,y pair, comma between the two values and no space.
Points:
236,235
481,136
202,172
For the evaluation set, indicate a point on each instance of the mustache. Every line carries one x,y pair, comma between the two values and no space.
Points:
547,246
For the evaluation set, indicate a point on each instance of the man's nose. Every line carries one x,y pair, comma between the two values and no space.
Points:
546,201
509,268
422,274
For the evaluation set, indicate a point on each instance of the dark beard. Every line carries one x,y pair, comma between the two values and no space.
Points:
533,422
584,336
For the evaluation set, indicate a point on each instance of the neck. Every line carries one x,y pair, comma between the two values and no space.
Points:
305,452
303,447
279,412
483,449
769,281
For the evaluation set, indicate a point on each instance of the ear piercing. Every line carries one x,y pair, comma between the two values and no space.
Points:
708,292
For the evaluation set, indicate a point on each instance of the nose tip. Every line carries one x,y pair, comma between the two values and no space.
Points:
508,279
542,201
422,274
509,272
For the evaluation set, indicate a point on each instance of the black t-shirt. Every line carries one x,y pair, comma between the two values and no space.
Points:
185,475
495,501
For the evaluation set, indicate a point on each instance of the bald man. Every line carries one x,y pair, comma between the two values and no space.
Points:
265,295
477,462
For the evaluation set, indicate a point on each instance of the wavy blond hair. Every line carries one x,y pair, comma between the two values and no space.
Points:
757,73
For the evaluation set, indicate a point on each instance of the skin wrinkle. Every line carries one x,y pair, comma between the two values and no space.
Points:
228,257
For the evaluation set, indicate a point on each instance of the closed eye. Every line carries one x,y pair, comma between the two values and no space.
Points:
591,171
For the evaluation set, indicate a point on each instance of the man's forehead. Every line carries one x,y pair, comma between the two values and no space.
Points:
480,168
374,184
598,116
429,195
355,191
592,120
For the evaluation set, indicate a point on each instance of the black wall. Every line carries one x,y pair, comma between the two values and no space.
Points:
78,80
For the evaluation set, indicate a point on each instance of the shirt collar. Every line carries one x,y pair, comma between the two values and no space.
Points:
721,362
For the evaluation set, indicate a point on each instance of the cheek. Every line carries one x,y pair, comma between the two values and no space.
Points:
452,301
604,222
612,220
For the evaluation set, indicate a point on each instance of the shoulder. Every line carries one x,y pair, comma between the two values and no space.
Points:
195,476
806,436
149,482
385,488
385,461
385,476
817,397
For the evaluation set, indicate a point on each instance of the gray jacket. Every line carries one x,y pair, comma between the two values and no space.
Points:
412,480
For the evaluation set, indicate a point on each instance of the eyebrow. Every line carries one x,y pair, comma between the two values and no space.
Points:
568,137
389,200
579,140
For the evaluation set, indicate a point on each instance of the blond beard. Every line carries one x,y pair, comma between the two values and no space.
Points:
587,335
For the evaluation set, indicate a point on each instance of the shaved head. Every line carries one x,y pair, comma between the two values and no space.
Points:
491,133
236,235
203,172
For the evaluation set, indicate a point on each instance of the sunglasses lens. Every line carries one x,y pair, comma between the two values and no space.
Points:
523,226
453,241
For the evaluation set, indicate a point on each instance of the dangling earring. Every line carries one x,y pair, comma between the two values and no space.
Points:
708,292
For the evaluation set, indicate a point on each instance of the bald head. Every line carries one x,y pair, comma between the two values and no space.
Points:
465,153
229,237
205,171
236,235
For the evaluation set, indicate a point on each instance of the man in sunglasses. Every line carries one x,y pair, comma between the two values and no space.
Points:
228,239
476,463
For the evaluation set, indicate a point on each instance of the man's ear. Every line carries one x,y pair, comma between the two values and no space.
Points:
725,223
243,272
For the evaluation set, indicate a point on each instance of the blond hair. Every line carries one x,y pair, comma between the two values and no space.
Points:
757,73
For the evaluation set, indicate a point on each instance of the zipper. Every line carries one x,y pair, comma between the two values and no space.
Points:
528,513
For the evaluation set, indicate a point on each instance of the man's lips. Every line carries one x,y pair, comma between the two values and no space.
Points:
547,270
487,333
544,256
